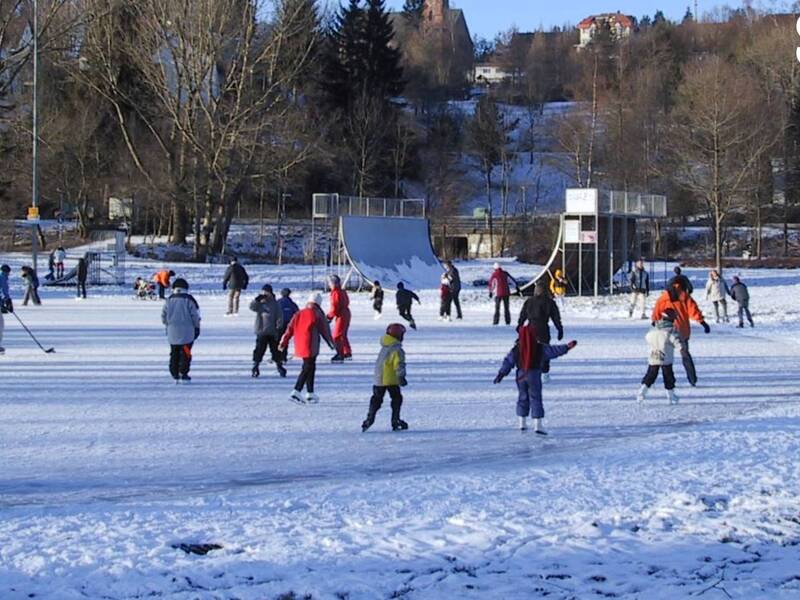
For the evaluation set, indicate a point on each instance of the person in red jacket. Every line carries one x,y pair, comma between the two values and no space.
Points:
340,312
307,327
677,298
500,289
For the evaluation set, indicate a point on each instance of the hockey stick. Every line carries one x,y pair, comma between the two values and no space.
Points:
33,337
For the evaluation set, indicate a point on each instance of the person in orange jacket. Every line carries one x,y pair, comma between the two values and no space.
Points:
678,299
340,311
162,280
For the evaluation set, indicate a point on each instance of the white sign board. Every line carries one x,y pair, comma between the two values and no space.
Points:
572,231
588,237
582,201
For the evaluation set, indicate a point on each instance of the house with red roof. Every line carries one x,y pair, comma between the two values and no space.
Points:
618,25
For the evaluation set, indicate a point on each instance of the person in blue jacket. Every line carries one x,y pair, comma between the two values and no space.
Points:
6,305
289,308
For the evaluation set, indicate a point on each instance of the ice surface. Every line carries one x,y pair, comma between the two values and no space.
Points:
105,465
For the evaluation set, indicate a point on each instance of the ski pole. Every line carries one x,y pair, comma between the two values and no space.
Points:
33,337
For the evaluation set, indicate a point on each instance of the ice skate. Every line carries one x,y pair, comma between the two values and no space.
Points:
297,398
399,425
523,424
644,317
348,357
185,379
640,397
312,398
338,358
256,372
412,324
672,397
377,316
2,350
281,370
367,423
537,427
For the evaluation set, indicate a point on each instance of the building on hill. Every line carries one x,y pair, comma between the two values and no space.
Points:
438,46
618,25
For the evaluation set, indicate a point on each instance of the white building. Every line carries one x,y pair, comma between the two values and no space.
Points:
619,26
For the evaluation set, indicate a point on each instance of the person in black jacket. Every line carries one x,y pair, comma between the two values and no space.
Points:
377,298
404,299
235,280
454,277
539,311
741,295
682,279
31,287
82,272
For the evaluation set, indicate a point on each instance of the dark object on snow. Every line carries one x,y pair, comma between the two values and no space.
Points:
199,549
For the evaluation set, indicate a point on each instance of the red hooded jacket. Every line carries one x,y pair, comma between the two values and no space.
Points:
307,326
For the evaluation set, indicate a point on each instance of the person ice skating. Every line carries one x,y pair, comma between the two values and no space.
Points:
268,329
58,258
500,290
445,299
539,311
6,304
663,341
454,277
678,299
235,280
376,295
716,292
390,376
741,295
307,327
289,308
679,277
639,280
181,316
527,357
51,266
339,314
161,279
31,287
404,299
81,273
558,287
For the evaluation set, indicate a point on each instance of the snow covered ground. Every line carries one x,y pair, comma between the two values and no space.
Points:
105,465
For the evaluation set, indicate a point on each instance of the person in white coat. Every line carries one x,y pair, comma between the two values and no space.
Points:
662,340
716,292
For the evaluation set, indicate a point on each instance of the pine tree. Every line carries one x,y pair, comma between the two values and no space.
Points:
688,17
383,73
413,12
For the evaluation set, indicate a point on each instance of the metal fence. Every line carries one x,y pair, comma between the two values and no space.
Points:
628,203
326,206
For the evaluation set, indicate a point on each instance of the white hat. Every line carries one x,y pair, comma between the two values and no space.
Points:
496,266
314,298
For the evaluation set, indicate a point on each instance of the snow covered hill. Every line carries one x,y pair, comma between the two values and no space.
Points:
108,467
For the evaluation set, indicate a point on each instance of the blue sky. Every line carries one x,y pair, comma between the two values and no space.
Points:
487,17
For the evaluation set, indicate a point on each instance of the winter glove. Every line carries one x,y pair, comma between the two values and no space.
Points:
560,334
403,382
498,379
705,326
196,332
572,344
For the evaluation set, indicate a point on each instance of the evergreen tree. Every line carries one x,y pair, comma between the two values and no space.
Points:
659,18
383,73
688,17
413,12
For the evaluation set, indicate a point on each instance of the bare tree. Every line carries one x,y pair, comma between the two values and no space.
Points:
719,132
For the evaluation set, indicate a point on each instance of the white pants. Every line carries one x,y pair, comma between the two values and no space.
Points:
638,298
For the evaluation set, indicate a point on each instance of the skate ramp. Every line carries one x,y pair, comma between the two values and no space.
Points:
392,250
550,266
67,278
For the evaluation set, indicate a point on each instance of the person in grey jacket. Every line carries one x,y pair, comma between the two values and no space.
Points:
181,317
716,291
268,329
235,280
31,287
639,280
454,279
741,294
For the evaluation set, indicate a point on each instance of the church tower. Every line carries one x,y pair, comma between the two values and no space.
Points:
436,12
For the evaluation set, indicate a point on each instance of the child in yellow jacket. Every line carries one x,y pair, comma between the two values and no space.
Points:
390,376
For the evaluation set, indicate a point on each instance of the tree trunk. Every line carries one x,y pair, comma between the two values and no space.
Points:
178,210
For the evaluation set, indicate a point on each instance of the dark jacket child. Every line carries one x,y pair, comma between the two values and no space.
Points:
446,299
82,272
307,327
741,295
377,299
289,308
390,376
268,329
663,340
539,311
181,317
404,299
527,357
